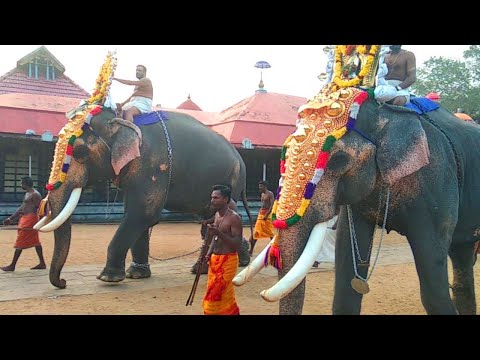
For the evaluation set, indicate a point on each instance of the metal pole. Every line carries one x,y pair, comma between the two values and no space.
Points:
30,165
264,171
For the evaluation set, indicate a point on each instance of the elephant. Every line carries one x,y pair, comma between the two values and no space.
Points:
169,164
421,171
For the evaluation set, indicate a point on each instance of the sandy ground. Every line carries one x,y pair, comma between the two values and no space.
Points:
394,288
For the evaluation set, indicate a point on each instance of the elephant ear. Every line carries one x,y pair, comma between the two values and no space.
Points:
402,144
126,144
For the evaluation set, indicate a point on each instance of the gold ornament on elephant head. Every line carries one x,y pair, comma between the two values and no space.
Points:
320,117
76,119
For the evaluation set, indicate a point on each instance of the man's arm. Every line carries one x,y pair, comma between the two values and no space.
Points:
128,82
271,200
9,220
37,199
411,71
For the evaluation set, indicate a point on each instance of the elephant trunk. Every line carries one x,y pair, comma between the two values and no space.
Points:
293,241
63,235
63,231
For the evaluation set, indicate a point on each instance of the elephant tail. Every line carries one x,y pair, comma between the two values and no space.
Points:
247,209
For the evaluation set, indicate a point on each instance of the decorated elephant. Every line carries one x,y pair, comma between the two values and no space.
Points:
398,168
171,163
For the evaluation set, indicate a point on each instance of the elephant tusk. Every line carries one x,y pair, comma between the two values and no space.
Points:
43,221
65,213
251,270
298,272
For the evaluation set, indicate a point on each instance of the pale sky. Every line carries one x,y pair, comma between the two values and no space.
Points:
216,76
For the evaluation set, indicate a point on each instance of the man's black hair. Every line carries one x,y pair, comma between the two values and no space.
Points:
224,190
27,180
264,183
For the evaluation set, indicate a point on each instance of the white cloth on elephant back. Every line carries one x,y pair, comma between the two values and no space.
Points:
143,104
384,93
327,252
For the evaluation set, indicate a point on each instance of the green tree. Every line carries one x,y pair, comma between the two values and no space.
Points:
457,81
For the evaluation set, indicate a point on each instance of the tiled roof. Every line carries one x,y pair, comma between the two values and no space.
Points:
22,112
189,105
264,107
266,119
17,82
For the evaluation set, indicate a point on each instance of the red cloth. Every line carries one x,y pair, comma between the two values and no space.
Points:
27,238
220,296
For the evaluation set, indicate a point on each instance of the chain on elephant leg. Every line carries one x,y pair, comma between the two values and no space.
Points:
138,271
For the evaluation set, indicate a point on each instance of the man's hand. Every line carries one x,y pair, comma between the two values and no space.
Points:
213,229
7,221
119,107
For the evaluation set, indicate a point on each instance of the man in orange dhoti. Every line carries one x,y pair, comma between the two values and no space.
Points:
222,256
264,225
27,214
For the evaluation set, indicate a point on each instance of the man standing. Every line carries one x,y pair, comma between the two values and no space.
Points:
222,256
264,225
27,214
140,102
402,73
243,254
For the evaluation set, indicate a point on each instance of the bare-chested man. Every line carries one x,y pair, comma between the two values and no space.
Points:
402,73
27,214
264,225
222,256
140,102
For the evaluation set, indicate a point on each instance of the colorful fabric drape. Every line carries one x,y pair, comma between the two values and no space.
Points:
220,296
27,238
263,228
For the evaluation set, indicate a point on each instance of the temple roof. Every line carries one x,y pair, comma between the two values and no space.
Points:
22,79
189,105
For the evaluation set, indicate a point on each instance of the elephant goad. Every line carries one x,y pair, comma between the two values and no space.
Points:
358,154
169,164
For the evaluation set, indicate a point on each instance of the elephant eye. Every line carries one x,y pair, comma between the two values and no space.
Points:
338,161
81,152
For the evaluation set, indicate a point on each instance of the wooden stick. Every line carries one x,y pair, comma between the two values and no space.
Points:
3,227
201,260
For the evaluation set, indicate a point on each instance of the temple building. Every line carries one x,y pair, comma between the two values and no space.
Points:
36,94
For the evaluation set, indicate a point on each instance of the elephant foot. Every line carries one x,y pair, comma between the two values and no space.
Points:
111,275
138,271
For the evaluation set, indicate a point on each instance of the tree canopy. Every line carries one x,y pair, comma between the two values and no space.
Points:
457,81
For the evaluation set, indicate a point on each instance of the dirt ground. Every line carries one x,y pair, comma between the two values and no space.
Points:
394,288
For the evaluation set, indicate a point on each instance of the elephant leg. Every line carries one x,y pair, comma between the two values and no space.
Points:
140,268
430,256
463,280
141,212
124,238
347,301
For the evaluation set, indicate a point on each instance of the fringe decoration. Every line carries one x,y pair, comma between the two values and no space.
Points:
43,208
273,256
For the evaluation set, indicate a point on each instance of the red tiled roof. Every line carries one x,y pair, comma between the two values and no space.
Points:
265,118
22,112
189,105
265,107
17,82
